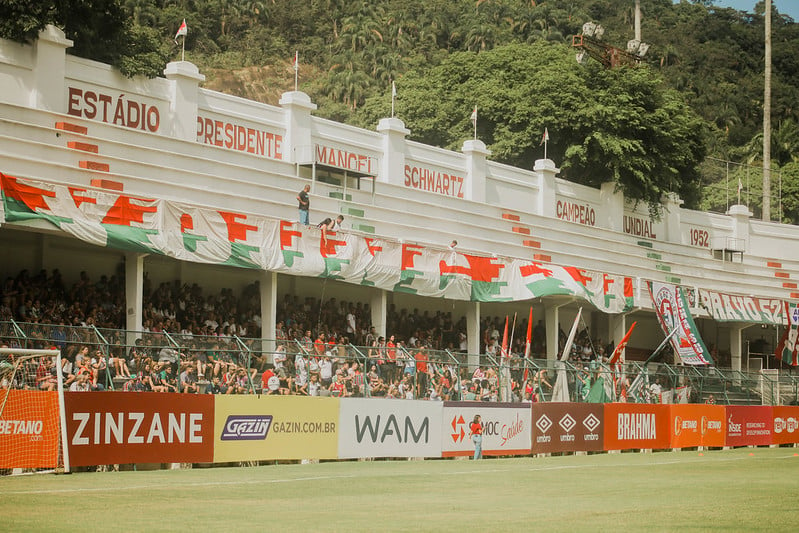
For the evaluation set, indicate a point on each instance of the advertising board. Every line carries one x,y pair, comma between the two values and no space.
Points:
29,429
145,427
749,425
376,427
633,426
252,428
567,427
506,428
697,425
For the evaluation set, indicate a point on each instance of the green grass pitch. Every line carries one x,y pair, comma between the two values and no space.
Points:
745,489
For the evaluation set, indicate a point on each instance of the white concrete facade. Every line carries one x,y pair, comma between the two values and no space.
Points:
169,138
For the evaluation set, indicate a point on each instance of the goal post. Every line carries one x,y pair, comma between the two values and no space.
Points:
33,431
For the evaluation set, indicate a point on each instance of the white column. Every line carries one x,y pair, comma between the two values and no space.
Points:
552,323
297,145
736,357
617,327
740,216
186,79
268,285
546,171
379,307
671,204
134,294
392,167
49,68
476,169
611,214
473,334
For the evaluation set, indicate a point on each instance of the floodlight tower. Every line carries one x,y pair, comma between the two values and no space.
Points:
589,43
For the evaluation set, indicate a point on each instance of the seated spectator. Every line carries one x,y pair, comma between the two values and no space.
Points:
188,381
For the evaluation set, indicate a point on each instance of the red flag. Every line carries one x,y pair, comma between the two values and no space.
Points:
296,60
528,343
504,352
529,334
620,347
183,30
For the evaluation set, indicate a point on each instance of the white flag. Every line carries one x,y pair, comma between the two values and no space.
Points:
474,114
545,138
393,89
296,61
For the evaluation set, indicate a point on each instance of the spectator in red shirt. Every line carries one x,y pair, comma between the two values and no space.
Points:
476,429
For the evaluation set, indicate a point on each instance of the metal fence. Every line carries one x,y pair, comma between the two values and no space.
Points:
138,360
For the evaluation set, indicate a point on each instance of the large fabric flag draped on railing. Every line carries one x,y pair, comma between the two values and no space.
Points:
205,235
673,311
788,348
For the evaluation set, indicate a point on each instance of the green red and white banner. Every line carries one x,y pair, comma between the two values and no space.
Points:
736,308
672,310
206,235
788,348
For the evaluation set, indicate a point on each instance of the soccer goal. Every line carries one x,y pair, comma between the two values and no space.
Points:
32,414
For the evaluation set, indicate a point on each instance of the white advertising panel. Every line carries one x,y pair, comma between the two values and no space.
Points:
506,428
376,427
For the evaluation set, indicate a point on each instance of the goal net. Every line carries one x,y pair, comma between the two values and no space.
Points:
32,419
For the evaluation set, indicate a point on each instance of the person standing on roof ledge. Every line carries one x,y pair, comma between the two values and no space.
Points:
304,204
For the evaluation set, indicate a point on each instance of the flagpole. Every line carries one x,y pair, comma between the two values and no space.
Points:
296,69
183,51
393,96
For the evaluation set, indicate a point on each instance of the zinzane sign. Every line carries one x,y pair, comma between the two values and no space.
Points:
389,428
506,428
147,427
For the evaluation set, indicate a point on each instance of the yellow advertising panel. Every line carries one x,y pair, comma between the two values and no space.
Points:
253,428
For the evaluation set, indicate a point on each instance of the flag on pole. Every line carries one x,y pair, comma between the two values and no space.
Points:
504,351
568,346
529,334
393,88
545,138
183,30
474,115
614,359
296,61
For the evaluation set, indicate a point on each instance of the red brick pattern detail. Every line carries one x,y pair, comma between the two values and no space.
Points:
85,147
774,264
788,285
509,216
521,229
532,244
74,128
543,257
93,165
108,184
795,295
782,275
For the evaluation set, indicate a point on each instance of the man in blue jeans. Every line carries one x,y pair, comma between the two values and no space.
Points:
304,204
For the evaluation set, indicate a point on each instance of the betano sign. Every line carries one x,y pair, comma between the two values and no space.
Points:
375,427
28,429
506,428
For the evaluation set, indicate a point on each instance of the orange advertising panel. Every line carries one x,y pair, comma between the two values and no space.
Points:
696,425
632,425
29,429
144,427
786,424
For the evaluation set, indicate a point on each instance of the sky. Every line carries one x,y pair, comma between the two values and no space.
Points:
785,7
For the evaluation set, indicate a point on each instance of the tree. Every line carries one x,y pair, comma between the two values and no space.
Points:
101,30
620,125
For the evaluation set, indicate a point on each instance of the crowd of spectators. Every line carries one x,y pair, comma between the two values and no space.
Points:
210,343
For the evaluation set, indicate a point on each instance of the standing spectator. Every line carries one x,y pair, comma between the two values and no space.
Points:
304,204
476,429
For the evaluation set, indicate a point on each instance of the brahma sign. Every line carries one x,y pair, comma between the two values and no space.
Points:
632,426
